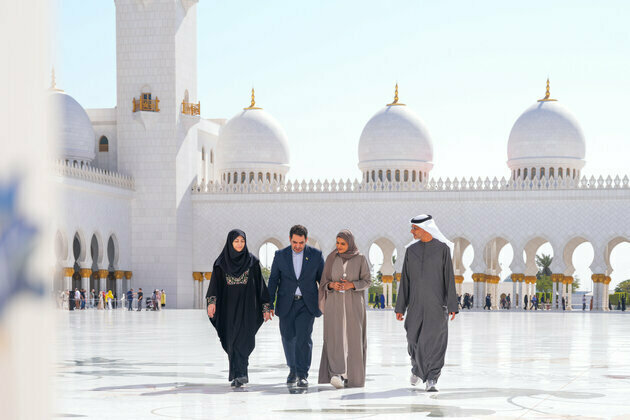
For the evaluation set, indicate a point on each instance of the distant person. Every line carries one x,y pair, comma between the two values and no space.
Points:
508,301
535,302
623,302
590,308
525,300
163,298
140,296
583,302
488,302
564,304
77,299
129,299
382,299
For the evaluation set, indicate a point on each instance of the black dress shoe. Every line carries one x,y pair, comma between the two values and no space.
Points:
242,380
292,378
302,383
235,384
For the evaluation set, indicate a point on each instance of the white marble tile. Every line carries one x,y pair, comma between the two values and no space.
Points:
169,364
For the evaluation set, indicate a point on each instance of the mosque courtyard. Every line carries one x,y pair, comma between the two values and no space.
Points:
499,365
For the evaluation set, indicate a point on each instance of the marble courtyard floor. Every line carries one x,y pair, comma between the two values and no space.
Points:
499,365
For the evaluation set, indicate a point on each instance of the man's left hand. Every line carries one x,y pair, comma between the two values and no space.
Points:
452,316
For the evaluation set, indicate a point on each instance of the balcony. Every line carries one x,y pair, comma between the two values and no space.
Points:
145,103
191,109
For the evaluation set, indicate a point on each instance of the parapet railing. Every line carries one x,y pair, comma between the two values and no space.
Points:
455,184
92,174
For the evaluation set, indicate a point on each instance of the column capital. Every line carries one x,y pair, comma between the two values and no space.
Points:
518,277
479,277
530,279
606,280
197,276
568,279
598,278
103,273
387,278
397,277
68,271
85,272
459,279
128,275
207,275
119,274
557,278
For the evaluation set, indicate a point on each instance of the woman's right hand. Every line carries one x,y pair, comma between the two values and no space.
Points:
212,309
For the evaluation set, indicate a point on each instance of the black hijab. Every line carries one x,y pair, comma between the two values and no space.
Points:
231,261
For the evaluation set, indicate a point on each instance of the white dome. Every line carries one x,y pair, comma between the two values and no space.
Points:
71,126
546,131
396,136
253,139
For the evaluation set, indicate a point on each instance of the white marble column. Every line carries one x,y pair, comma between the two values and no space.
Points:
119,286
569,293
197,278
85,278
554,299
67,278
102,274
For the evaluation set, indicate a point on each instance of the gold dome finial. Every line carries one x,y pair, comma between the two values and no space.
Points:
53,81
253,104
547,94
395,97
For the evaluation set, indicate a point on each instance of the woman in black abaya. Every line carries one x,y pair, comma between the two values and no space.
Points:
238,303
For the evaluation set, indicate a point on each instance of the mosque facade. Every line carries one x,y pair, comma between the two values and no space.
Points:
149,188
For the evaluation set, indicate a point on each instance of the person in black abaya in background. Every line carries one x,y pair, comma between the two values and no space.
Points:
238,303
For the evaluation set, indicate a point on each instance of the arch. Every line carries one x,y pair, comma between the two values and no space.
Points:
61,247
551,172
461,264
524,173
496,250
406,175
413,176
533,173
380,175
420,176
381,259
542,172
530,250
243,177
103,144
619,244
266,255
251,176
397,175
113,252
211,156
79,246
97,251
568,254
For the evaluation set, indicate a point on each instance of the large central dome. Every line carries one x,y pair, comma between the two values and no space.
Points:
253,141
546,140
395,139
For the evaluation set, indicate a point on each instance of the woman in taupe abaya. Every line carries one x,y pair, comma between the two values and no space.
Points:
342,301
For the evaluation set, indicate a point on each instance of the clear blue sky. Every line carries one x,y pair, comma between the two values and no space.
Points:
323,68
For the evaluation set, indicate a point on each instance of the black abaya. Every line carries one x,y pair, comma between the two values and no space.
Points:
240,303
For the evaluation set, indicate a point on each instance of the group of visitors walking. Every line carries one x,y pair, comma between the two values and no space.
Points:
303,286
80,299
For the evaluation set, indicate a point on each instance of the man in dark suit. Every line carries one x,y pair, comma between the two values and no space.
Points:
295,274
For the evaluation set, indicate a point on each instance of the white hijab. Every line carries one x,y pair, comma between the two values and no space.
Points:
426,222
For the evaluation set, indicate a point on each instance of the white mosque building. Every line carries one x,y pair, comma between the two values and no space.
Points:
149,189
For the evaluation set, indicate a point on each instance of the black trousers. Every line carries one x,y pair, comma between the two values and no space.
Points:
296,328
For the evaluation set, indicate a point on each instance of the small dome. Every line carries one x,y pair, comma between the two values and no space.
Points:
395,135
70,125
546,130
253,139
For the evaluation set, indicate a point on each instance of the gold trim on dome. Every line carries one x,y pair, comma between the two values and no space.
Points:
53,82
547,94
253,104
395,98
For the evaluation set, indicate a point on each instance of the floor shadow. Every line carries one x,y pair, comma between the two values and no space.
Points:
388,410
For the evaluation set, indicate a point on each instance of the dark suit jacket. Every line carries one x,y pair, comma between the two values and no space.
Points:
282,280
